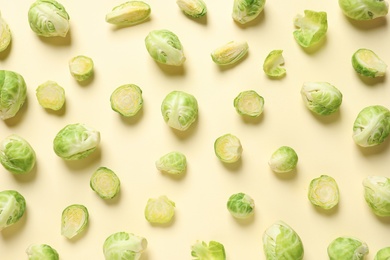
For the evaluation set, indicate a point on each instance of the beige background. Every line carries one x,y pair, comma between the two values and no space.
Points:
131,146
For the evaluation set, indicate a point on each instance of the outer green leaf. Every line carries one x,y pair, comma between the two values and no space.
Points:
364,9
312,28
212,251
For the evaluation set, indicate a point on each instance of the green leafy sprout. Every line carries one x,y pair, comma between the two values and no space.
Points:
347,248
228,148
249,103
312,28
74,220
12,208
324,192
105,183
127,100
173,163
214,250
241,205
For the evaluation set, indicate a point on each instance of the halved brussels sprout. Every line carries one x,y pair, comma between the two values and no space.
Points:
74,220
214,250
50,95
241,205
366,63
245,11
347,248
81,67
17,155
165,47
129,13
364,9
105,183
13,93
5,34
12,207
272,64
324,192
377,194
228,148
127,100
159,210
124,246
41,252
193,8
174,163
230,52
383,254
249,103
312,28
283,160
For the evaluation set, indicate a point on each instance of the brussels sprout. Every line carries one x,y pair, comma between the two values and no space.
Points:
159,210
322,98
280,241
129,13
371,126
12,207
377,194
76,141
193,8
174,163
366,63
283,160
5,34
364,9
42,252
13,93
17,155
200,250
165,47
245,11
48,18
228,148
50,95
127,100
124,246
272,64
324,192
241,205
230,52
105,183
347,248
74,220
383,254
249,103
179,110
312,28
81,67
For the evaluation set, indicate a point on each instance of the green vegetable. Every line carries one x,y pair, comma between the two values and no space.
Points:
312,28
48,18
13,93
124,246
228,148
249,103
193,8
383,254
245,11
200,250
105,183
230,52
324,192
5,34
12,207
81,67
241,205
174,163
322,98
165,47
50,95
371,126
366,63
17,155
76,141
283,160
364,9
129,13
74,220
280,241
272,64
377,194
127,100
159,210
179,110
347,248
42,252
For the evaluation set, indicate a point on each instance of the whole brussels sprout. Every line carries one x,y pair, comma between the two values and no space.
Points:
321,98
283,160
41,252
364,9
12,207
347,248
124,246
241,205
174,163
13,93
377,194
383,254
159,210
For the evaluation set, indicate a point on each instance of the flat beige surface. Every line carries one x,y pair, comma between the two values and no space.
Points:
130,147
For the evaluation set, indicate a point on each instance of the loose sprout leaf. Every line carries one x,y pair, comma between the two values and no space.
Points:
324,192
283,160
81,67
241,205
214,250
367,63
193,8
41,252
50,95
159,210
245,11
363,10
272,64
105,183
228,148
377,194
129,13
174,163
312,28
230,53
347,248
74,220
124,246
13,93
12,207
127,100
249,103
5,34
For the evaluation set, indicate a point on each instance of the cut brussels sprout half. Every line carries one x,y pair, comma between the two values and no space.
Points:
347,248
12,207
249,103
280,241
174,163
324,192
81,67
322,98
193,8
241,205
50,95
159,210
371,126
124,246
74,220
48,18
129,13
361,10
13,93
214,250
377,194
16,155
105,183
383,254
127,100
228,148
5,34
165,47
42,252
245,11
230,52
272,64
283,160
312,28
367,63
